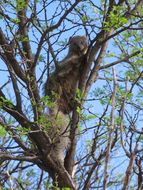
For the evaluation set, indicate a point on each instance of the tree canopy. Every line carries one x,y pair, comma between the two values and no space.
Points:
107,152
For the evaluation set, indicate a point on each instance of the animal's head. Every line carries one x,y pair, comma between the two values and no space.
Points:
78,45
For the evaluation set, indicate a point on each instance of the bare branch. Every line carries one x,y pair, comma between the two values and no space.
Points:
129,169
49,29
125,59
23,29
9,57
7,156
111,130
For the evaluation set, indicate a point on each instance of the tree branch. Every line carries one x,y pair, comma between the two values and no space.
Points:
126,58
9,58
111,130
24,33
6,156
50,29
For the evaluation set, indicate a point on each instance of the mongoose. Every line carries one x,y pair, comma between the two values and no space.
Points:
61,88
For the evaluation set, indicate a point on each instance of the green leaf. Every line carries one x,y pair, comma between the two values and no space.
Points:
78,110
5,102
41,58
23,131
2,131
79,95
88,117
21,5
84,18
116,18
16,21
46,100
24,39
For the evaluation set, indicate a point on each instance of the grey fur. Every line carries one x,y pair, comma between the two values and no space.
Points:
61,87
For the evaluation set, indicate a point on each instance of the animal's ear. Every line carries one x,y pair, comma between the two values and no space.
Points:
85,37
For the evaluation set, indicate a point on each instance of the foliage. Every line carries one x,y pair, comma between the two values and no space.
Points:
105,127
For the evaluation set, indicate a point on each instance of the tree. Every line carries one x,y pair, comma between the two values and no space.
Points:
106,152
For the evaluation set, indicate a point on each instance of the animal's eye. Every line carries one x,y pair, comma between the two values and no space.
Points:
74,44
